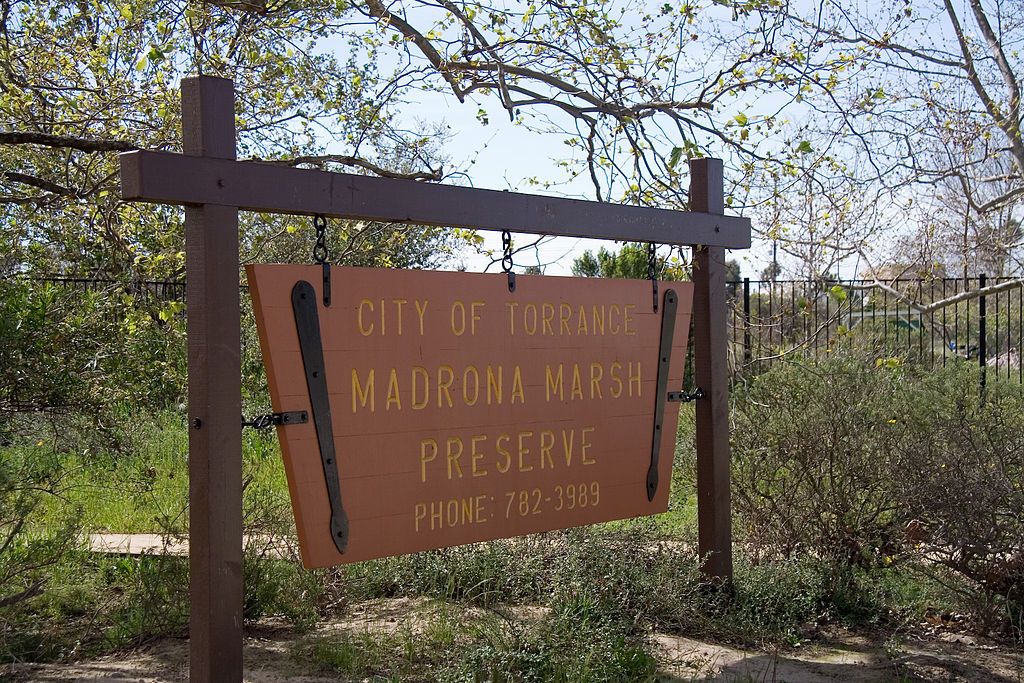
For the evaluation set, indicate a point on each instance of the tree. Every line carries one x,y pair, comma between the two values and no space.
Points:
82,82
629,262
920,114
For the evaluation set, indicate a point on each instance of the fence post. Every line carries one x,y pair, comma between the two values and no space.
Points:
746,321
982,333
710,369
213,324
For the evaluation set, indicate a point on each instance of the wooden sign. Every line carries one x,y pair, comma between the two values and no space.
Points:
456,411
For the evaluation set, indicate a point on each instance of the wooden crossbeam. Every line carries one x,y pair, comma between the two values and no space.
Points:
167,178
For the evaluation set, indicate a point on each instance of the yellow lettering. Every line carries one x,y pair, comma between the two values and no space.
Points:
577,383
613,326
596,374
365,396
398,305
382,328
363,329
452,510
393,396
445,379
511,306
475,456
554,383
523,450
474,316
468,382
581,324
568,440
547,316
419,401
436,515
421,312
585,445
634,378
615,373
494,384
564,313
421,514
530,327
425,458
598,320
517,386
629,320
458,318
547,442
454,455
503,451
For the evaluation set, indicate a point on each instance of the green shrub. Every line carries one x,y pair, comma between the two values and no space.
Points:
571,645
869,464
28,476
812,458
959,476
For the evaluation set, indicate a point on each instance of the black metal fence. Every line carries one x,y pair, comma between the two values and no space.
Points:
931,322
775,320
154,290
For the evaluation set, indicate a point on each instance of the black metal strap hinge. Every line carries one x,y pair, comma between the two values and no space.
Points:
272,419
668,326
307,324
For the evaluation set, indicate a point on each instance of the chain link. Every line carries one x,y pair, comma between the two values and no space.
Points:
506,259
320,246
506,251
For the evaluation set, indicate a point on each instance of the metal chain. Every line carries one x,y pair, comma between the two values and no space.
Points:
506,249
320,246
652,272
506,259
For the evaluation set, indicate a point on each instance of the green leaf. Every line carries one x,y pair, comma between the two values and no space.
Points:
804,147
838,293
673,157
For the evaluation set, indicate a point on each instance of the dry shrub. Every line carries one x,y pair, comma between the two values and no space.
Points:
870,464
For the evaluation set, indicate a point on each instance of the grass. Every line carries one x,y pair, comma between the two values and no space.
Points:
143,488
442,641
603,588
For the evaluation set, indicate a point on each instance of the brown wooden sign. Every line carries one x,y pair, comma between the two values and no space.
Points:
464,412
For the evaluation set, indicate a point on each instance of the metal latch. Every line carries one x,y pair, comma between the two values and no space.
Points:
685,396
272,419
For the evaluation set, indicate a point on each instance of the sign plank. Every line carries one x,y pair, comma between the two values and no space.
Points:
462,412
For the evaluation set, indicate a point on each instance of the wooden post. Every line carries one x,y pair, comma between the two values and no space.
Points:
214,397
714,523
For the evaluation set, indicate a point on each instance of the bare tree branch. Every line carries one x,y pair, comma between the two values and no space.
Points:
81,144
321,160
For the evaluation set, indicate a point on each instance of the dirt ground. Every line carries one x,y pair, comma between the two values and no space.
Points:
834,656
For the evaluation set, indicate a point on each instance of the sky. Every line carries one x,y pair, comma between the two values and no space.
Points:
504,156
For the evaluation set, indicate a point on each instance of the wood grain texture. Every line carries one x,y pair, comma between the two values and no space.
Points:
214,398
167,178
460,374
711,372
